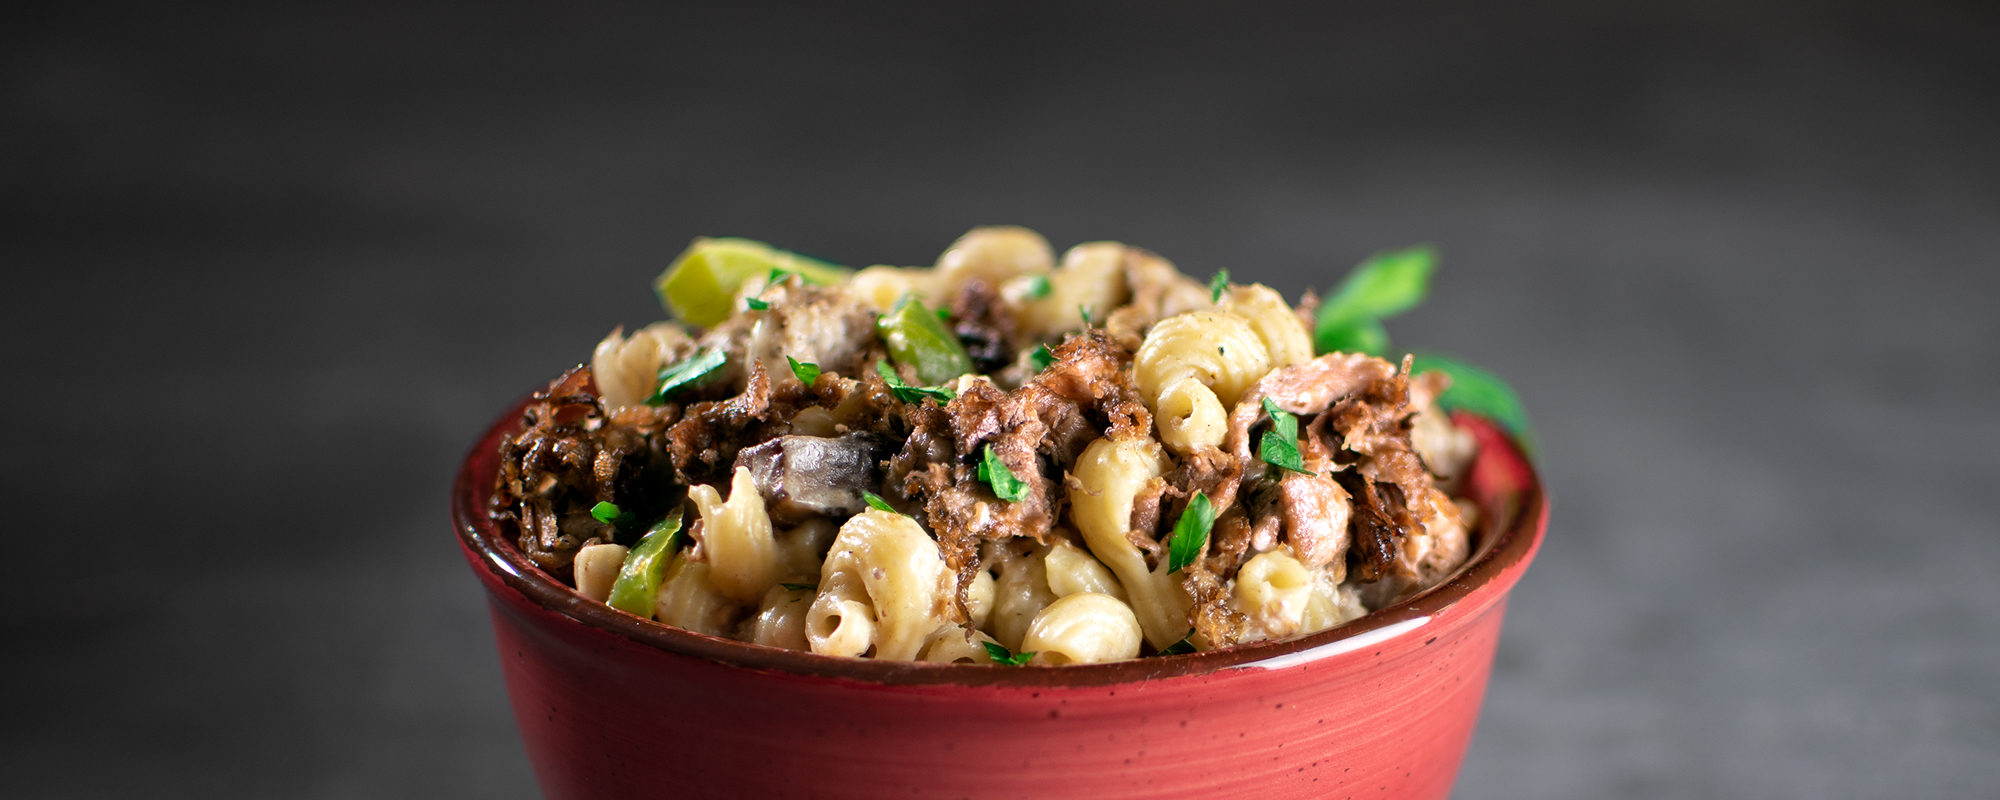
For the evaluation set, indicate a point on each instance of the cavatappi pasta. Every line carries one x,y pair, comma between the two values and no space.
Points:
1008,457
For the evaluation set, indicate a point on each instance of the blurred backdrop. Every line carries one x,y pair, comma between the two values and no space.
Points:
271,268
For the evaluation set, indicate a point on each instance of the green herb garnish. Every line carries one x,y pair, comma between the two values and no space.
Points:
686,373
1190,535
912,394
1217,285
876,502
1001,656
1039,287
800,587
1280,446
806,373
1182,647
778,276
1385,285
610,514
1083,309
996,474
756,304
1042,358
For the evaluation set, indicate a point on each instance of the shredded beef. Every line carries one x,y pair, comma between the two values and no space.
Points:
983,325
570,456
1316,509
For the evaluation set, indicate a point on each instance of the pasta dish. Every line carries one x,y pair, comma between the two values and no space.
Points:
1006,458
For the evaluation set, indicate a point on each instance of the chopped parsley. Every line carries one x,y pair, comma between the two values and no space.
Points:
1280,446
876,502
1083,309
996,474
807,373
610,514
1217,285
1182,647
800,587
756,304
912,394
1190,536
1042,358
1039,287
685,374
778,276
1001,656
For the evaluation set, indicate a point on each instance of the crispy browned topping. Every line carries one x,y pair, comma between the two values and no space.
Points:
569,457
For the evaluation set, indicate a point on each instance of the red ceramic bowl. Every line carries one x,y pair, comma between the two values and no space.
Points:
613,706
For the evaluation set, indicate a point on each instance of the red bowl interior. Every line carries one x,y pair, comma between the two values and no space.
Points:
1513,513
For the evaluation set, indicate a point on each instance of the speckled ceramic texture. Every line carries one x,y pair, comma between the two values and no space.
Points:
612,706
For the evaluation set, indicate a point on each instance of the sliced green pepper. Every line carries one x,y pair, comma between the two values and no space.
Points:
699,286
638,583
916,337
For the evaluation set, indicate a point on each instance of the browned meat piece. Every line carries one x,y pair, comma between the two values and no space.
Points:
1307,311
571,456
1231,542
983,325
814,324
705,442
1315,508
1210,613
1380,505
802,477
1144,528
1379,530
1158,291
1037,431
961,509
1303,389
1090,371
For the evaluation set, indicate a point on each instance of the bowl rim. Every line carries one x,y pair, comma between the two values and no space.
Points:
1505,541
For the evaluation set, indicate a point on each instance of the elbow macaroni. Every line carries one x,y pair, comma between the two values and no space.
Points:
597,569
1192,368
1268,314
1108,475
1021,592
1273,591
882,286
742,555
627,370
688,600
1072,571
950,645
1084,628
1092,277
994,255
882,586
781,619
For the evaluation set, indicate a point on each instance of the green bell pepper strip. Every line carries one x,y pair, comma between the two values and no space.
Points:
917,338
638,583
699,287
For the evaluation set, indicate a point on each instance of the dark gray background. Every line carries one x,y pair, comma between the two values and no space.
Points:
269,271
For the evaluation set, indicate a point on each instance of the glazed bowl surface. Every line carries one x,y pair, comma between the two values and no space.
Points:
613,706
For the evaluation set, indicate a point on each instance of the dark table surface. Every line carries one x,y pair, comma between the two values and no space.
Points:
272,268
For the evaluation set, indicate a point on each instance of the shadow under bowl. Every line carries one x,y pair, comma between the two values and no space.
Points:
614,706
